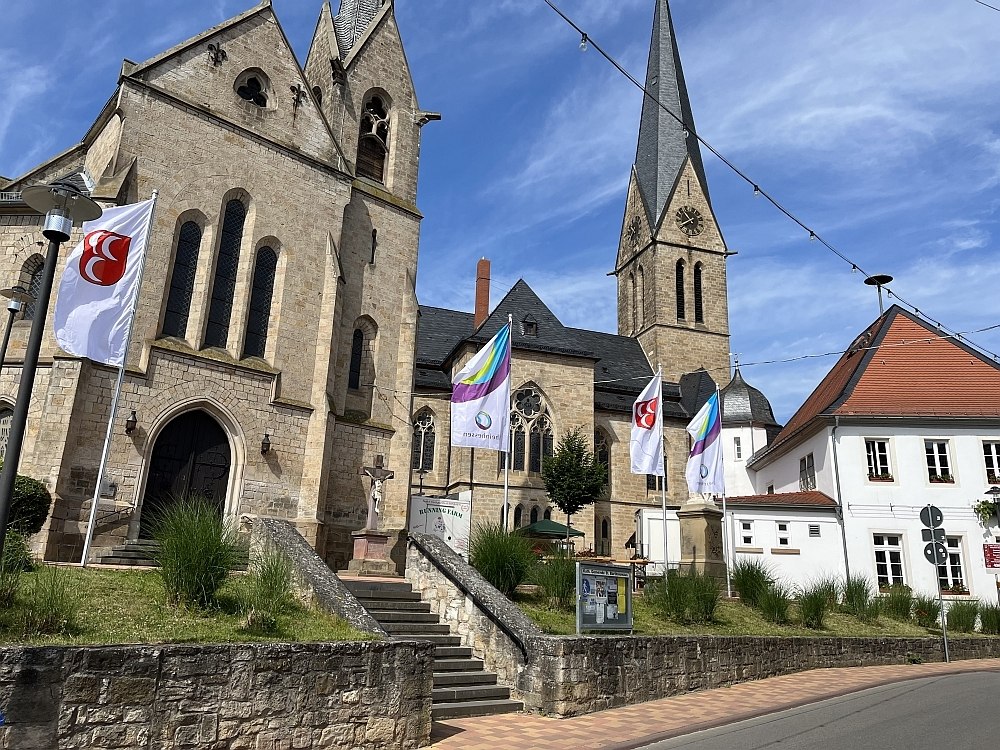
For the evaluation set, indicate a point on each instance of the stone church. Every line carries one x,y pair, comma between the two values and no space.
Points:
273,347
672,313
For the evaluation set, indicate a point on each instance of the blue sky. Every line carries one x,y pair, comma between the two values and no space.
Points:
876,123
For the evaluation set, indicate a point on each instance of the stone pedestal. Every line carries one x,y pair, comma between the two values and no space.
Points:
371,554
701,537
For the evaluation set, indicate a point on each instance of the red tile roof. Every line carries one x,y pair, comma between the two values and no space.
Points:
901,366
812,497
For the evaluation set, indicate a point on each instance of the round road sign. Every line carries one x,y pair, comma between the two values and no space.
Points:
936,553
931,516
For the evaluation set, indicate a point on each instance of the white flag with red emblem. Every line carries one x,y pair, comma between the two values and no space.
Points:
100,284
646,445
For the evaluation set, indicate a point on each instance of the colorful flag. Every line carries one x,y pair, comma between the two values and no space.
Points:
646,445
100,284
480,398
704,467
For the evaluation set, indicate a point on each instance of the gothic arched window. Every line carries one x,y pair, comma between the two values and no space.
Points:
602,452
423,442
252,86
6,415
531,433
224,285
259,317
548,514
31,279
699,310
656,483
534,514
680,290
635,307
373,141
640,282
518,516
175,318
357,350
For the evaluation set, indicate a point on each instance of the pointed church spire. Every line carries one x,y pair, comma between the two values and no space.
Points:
352,20
663,146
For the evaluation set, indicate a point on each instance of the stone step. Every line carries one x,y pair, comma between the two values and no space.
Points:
387,616
394,605
415,629
475,677
438,640
463,693
474,708
135,562
452,652
380,589
458,665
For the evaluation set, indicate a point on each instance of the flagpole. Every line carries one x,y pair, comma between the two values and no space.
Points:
663,486
114,399
506,461
725,535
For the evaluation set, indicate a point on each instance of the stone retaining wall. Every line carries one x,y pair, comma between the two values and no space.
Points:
573,675
330,695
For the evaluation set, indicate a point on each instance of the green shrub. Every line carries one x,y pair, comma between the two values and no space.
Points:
504,558
898,603
774,603
29,505
962,616
557,579
16,559
830,586
691,598
50,606
927,611
751,578
859,598
989,619
814,602
265,592
197,550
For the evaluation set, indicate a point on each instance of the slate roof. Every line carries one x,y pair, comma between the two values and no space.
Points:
744,404
352,20
900,366
662,146
813,498
696,388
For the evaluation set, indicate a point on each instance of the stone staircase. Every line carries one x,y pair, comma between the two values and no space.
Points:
137,554
462,687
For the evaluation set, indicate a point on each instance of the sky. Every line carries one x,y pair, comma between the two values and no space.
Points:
876,124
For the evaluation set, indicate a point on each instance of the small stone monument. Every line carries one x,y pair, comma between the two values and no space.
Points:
371,545
701,536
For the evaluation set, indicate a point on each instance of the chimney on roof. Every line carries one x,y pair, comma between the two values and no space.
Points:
482,293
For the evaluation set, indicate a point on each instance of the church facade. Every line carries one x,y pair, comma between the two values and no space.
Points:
672,314
272,350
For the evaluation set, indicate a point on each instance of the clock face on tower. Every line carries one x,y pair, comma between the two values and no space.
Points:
689,220
632,233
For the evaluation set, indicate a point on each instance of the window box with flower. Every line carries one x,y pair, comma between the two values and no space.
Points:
986,511
992,477
942,479
883,477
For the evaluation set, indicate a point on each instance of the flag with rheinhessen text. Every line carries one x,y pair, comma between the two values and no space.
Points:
646,445
100,284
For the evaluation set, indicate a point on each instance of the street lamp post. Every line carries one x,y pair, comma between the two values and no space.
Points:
18,297
63,205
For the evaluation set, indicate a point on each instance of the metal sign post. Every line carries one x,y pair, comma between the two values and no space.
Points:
936,554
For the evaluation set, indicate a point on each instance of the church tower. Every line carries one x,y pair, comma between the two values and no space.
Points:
671,266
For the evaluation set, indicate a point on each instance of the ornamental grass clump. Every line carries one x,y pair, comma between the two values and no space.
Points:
15,560
504,558
927,611
197,550
686,599
556,577
897,603
49,606
814,603
774,603
751,578
265,593
989,619
962,616
859,598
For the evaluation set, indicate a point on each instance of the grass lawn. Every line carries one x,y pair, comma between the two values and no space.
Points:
126,606
732,618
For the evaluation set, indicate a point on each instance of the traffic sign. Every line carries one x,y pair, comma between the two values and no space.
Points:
936,553
932,535
931,517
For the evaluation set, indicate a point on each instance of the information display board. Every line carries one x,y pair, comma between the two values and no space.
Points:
604,597
992,554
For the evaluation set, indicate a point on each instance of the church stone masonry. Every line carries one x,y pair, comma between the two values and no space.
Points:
249,152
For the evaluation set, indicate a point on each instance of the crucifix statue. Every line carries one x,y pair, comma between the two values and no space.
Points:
379,475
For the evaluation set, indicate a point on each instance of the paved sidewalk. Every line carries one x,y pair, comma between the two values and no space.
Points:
635,726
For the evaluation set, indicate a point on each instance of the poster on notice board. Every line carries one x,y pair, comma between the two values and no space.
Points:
604,597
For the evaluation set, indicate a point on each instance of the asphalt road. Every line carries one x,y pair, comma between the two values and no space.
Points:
959,712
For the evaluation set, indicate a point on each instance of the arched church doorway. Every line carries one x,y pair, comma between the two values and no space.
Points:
191,457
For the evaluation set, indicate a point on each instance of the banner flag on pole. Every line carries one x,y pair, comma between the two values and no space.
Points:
704,467
100,284
646,445
480,398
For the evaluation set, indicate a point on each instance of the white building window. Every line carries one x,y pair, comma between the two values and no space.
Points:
950,575
737,449
991,454
770,489
888,559
814,529
746,533
938,464
784,537
807,473
878,459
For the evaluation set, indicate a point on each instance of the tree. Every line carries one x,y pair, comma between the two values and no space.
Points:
573,478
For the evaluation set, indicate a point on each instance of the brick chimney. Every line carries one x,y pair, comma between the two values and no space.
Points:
482,293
